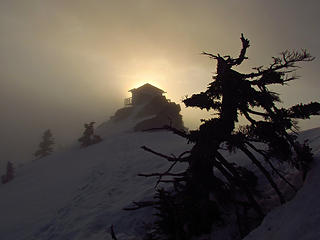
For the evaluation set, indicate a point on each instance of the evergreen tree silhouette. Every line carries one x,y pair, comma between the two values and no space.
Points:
46,145
231,94
9,174
88,137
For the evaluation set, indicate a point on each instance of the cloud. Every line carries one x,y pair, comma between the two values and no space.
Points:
67,62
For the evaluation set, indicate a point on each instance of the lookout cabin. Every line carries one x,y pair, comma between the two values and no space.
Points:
143,94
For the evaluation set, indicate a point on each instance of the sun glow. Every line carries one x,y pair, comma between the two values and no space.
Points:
138,83
143,80
138,79
139,71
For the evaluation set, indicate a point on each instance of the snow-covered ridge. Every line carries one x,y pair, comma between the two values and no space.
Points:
79,193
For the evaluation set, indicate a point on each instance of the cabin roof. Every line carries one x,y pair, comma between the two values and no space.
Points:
147,87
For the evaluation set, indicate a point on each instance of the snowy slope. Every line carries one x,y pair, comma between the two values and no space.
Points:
78,194
300,218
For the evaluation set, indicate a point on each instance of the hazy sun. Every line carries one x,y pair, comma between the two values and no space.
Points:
142,71
137,80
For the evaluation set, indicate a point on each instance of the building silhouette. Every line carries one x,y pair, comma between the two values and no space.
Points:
143,94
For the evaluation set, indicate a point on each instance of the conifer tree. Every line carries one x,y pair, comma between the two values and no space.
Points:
9,174
88,137
46,145
232,94
10,171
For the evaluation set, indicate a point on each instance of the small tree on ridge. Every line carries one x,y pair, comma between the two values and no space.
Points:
9,174
46,145
88,137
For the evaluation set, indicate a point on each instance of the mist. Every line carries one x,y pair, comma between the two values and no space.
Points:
64,63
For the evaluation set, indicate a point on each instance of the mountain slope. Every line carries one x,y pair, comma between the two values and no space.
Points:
78,194
299,218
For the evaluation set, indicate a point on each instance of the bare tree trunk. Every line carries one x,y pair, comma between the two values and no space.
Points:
201,168
271,165
264,171
238,181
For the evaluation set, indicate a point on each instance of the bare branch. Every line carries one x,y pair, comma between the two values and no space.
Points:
211,55
266,158
240,182
245,45
138,205
160,174
182,179
170,159
173,159
166,173
247,116
287,60
264,171
231,61
178,132
257,113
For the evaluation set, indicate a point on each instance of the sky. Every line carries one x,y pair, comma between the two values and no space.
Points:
67,62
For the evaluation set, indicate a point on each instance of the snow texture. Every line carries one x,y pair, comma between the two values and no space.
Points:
80,193
299,218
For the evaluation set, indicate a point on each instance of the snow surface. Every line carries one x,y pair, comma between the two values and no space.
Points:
300,218
80,193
